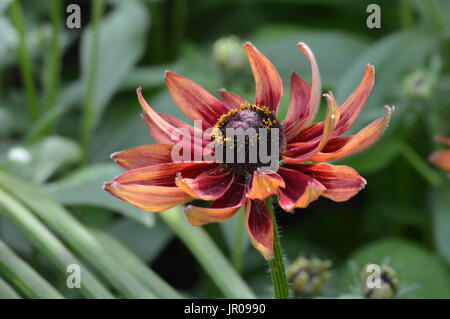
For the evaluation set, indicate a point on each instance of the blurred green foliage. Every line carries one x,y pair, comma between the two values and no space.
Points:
67,101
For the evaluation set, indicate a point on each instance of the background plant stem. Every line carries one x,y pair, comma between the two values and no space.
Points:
88,115
53,63
25,61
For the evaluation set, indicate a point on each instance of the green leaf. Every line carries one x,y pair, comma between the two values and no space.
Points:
6,291
393,57
440,204
57,218
24,277
41,160
236,237
136,236
374,158
422,274
122,36
207,254
84,187
334,51
50,246
135,266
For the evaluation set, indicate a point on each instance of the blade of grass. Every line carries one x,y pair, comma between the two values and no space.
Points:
44,241
25,61
6,291
58,219
207,254
25,278
135,266
89,113
53,61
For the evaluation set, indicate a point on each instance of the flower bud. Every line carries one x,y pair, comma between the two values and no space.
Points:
419,84
228,53
379,284
308,276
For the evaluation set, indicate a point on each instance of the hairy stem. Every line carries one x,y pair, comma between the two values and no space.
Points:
277,271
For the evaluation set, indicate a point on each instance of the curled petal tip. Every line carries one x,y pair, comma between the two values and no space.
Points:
168,73
114,155
222,90
107,185
139,90
248,44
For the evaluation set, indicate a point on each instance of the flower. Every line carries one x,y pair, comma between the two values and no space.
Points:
308,276
154,182
389,283
441,158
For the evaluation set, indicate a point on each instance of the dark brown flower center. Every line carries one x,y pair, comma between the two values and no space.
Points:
250,137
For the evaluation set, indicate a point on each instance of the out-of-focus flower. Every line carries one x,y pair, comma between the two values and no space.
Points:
441,158
155,182
420,84
308,276
228,53
389,283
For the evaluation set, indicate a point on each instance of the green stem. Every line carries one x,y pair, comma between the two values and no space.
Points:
278,273
406,13
25,61
54,60
178,25
421,166
239,241
89,102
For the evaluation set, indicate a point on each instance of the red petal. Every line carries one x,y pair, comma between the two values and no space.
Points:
163,174
264,185
221,209
343,146
341,182
148,197
300,189
269,87
145,155
162,126
443,139
231,100
260,227
316,86
210,185
355,102
193,100
441,159
298,112
303,151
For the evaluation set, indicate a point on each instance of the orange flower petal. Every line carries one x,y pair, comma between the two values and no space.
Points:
148,197
355,102
162,174
303,151
441,159
269,87
443,139
300,189
193,100
341,182
260,227
298,112
221,209
210,186
264,185
316,85
145,155
161,126
342,146
231,100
